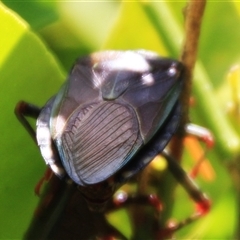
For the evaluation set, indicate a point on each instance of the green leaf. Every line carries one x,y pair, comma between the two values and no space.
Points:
37,13
134,30
28,72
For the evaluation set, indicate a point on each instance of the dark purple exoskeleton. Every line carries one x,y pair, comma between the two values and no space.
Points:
114,114
111,106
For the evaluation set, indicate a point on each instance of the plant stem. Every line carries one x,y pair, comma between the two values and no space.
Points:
193,18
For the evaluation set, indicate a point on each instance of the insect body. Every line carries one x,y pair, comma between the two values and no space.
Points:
114,114
111,106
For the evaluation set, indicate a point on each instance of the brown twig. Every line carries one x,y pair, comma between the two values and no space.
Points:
193,18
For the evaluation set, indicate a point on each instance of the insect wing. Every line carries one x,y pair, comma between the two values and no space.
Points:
112,103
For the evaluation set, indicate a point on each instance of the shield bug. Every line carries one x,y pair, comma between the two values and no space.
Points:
114,114
111,106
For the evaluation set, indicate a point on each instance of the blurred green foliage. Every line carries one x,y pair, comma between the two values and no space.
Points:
41,40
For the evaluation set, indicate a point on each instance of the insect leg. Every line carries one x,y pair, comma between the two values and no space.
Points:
202,201
45,142
123,199
201,133
23,110
195,133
